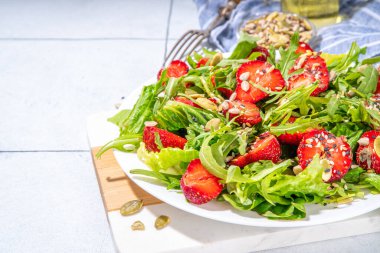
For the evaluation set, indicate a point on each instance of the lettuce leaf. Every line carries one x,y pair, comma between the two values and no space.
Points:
168,160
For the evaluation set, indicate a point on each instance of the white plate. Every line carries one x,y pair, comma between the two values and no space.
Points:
222,211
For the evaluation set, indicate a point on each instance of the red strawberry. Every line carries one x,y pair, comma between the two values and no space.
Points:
176,69
186,101
249,113
202,62
266,147
314,69
303,48
264,53
225,91
291,139
159,74
167,139
198,185
366,155
378,87
260,73
335,149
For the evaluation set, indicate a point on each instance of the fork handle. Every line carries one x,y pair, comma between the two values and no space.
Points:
224,14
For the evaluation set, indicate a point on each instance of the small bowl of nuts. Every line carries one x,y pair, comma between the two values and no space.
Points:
276,28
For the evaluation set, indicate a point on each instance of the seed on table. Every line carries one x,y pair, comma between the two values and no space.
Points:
162,221
137,225
131,207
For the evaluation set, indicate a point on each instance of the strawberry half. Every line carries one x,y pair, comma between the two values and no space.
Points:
266,147
366,155
202,62
186,101
167,139
261,73
291,139
175,69
198,185
249,113
303,48
264,53
314,69
377,91
335,149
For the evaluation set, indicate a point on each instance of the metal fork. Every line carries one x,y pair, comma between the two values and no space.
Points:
193,38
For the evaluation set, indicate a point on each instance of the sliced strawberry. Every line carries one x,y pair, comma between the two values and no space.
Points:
291,139
260,73
159,74
249,113
303,48
177,69
202,62
335,149
264,53
377,91
198,185
225,92
167,139
366,155
314,68
266,147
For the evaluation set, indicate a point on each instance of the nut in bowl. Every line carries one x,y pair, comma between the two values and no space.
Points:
276,29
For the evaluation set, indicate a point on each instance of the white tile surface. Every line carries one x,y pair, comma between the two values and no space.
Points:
49,88
184,17
50,202
83,18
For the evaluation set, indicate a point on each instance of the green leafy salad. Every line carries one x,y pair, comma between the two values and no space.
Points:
264,130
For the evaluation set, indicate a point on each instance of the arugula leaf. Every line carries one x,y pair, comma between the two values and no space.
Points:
368,82
288,56
142,111
244,46
124,143
171,181
175,115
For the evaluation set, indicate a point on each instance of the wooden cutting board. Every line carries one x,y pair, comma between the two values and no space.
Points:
115,187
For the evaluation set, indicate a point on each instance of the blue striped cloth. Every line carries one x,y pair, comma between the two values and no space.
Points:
362,24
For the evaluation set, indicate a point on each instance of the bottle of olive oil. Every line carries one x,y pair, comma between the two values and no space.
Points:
321,13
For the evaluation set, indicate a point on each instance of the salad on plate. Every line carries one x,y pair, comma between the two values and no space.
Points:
264,130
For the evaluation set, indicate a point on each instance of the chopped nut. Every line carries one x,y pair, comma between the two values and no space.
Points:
212,124
137,225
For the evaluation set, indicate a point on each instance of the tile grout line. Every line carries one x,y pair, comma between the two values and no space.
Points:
83,39
45,151
168,28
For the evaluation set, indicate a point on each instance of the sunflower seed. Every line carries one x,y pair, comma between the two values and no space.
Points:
161,221
363,141
137,225
234,111
131,207
245,86
244,76
150,123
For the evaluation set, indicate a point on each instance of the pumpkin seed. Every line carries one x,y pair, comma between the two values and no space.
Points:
137,225
212,124
297,169
376,145
218,57
131,207
162,221
207,104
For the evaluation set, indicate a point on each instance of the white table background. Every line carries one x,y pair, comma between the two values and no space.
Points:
61,61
